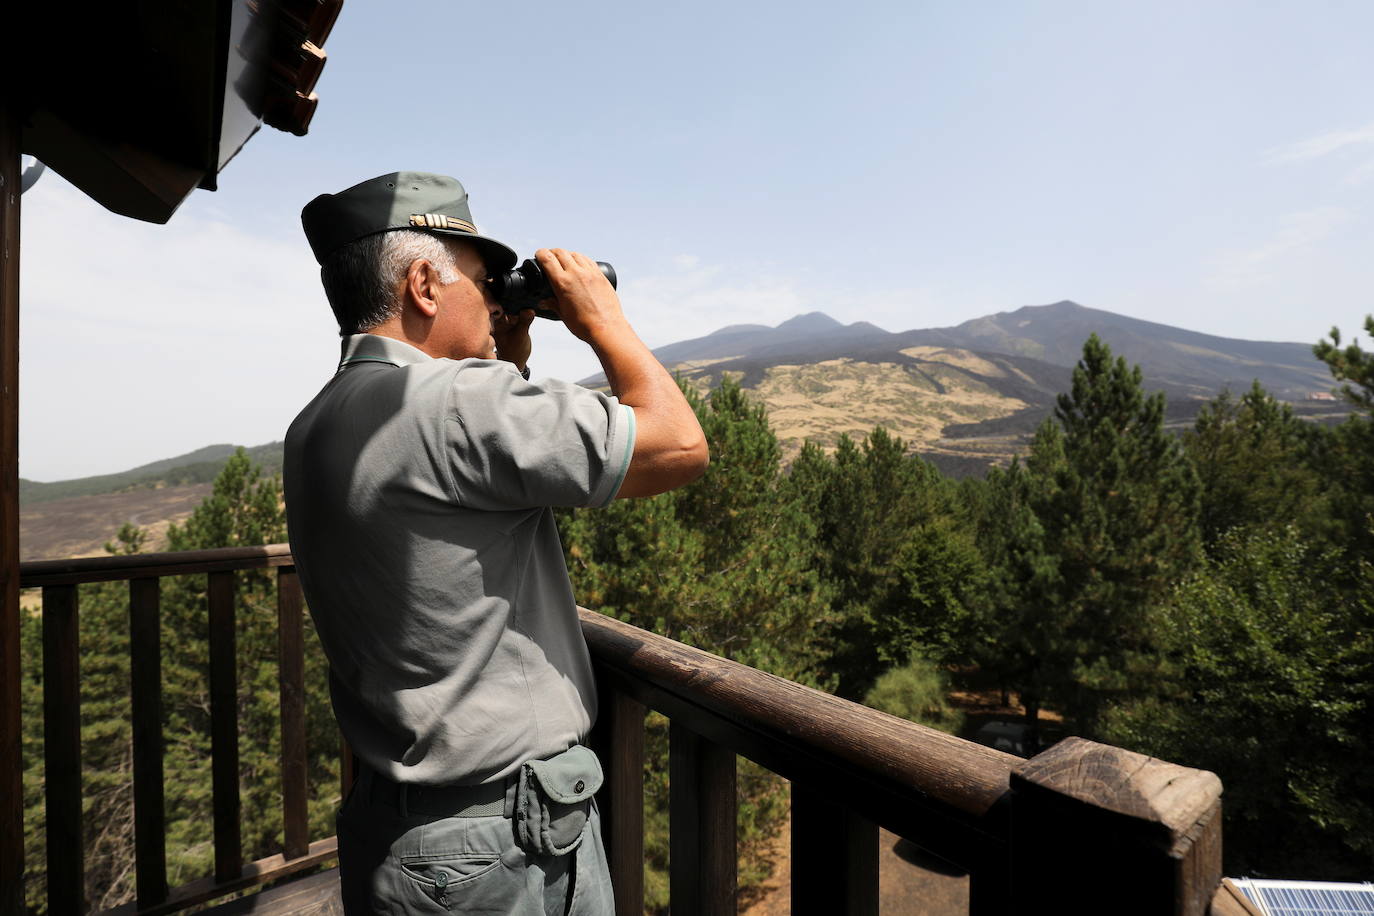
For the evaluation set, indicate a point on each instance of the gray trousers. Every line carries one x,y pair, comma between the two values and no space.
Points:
395,864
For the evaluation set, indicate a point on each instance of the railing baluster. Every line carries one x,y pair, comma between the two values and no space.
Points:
224,729
619,742
348,770
291,674
834,857
62,750
145,687
701,812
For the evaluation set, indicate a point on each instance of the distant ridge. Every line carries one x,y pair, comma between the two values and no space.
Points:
199,466
969,396
1173,358
1180,362
1020,357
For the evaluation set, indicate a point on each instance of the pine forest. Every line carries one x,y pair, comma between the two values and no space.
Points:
1206,598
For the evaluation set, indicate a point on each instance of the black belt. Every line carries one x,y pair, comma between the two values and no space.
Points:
489,799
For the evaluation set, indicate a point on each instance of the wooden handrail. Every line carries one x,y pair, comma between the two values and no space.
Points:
34,573
1065,823
59,580
943,792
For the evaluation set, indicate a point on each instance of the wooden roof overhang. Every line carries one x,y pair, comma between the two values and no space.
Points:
137,104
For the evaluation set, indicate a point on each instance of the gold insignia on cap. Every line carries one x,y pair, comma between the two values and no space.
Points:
441,221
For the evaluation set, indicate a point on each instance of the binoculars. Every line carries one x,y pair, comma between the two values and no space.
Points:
524,287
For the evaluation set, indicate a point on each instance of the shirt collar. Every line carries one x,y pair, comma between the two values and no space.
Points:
373,348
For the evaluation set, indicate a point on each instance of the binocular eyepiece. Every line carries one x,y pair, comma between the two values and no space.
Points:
524,287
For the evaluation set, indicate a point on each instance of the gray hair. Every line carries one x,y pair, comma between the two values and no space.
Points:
361,279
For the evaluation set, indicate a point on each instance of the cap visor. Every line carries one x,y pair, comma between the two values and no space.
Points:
495,255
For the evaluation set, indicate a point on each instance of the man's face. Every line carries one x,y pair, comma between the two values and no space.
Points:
466,308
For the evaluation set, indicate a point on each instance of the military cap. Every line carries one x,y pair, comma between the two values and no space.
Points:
400,200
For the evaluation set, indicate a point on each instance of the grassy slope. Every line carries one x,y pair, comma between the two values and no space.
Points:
200,466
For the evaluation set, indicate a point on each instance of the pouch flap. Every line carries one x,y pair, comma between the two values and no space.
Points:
570,777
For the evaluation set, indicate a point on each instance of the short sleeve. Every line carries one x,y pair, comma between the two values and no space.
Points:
514,444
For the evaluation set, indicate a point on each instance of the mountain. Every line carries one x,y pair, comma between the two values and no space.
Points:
74,518
966,397
1200,364
200,466
970,395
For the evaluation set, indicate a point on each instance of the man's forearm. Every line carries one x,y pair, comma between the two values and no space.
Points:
670,449
634,374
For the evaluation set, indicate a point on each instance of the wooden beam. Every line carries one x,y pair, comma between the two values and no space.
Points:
618,740
224,727
11,735
145,677
1090,820
62,751
943,793
129,566
263,871
834,856
701,824
291,680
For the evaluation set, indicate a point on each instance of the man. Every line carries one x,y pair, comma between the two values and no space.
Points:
418,487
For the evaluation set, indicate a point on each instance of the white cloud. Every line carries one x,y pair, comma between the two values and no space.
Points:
140,341
1323,145
693,299
1297,236
1361,174
690,300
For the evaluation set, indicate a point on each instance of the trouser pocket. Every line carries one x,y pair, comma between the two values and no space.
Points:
552,801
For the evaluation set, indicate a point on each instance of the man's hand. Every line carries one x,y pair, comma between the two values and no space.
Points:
670,449
583,297
512,336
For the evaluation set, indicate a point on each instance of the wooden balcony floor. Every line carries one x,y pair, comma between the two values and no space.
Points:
314,895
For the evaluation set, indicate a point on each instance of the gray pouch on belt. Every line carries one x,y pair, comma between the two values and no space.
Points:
553,799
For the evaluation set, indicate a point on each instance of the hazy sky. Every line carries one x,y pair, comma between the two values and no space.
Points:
1207,165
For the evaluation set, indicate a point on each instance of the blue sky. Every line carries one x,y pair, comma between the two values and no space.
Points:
1206,165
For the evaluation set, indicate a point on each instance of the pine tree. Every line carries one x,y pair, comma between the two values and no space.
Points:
1346,454
1252,456
1098,526
1017,634
243,509
890,541
1270,686
723,564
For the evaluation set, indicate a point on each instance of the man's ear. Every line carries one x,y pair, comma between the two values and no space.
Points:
422,287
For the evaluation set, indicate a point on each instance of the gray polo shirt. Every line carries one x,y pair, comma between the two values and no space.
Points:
417,500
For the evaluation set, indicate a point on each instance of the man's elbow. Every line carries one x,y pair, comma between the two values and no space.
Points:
667,468
686,462
695,459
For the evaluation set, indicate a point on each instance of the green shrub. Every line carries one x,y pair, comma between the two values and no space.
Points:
917,691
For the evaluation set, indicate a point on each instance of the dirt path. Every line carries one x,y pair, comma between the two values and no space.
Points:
908,882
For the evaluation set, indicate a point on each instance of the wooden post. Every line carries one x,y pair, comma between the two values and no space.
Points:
11,737
834,857
62,751
291,683
618,740
224,727
701,825
348,770
1097,828
145,677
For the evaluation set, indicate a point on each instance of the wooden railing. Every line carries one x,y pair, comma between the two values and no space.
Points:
1082,827
59,580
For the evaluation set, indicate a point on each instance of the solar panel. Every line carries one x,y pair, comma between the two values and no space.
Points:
1308,898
